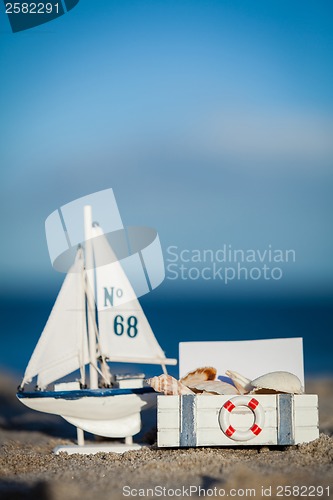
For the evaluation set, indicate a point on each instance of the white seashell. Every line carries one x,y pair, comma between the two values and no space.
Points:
243,384
216,387
199,375
277,382
168,385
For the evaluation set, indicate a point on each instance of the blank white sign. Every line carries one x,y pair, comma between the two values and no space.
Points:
250,358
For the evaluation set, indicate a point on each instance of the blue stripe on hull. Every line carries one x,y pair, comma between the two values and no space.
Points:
81,393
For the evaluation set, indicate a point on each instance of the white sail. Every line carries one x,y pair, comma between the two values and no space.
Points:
124,331
62,347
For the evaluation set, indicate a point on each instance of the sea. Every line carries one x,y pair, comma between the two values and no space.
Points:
183,318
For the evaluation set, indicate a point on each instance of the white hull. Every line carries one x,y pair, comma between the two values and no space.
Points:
115,416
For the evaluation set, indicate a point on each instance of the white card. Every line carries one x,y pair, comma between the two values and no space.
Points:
250,358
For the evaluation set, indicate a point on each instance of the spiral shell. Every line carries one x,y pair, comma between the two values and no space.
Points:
168,385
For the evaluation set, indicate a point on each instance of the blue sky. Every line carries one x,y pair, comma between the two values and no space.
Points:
211,120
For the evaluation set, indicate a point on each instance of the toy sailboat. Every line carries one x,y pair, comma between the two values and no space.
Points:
95,319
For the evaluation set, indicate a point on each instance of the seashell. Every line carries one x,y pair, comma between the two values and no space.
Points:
199,375
243,384
277,382
168,385
215,387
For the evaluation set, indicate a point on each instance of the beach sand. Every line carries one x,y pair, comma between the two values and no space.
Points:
29,469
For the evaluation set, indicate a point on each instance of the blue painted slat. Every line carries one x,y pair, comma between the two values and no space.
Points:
188,435
285,414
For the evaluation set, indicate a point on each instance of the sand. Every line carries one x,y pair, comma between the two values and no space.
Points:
28,469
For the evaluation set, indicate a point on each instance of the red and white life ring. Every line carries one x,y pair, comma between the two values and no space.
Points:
255,407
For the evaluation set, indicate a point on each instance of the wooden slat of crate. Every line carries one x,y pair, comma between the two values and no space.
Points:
305,400
306,434
168,420
215,437
168,438
167,402
306,417
218,401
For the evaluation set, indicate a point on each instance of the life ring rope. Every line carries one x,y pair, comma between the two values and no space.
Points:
241,435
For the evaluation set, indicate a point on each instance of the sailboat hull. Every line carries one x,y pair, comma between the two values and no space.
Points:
104,412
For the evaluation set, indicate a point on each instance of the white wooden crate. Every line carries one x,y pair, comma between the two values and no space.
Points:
281,419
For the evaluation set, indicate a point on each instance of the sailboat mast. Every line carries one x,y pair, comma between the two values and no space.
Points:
89,259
